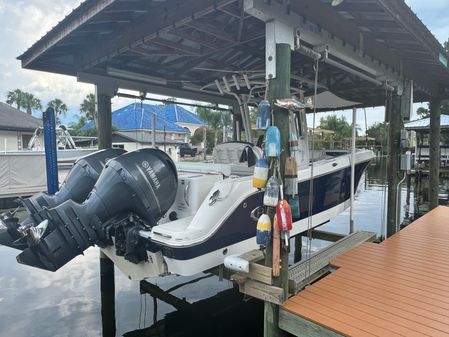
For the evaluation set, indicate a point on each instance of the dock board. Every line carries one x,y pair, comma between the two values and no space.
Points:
397,288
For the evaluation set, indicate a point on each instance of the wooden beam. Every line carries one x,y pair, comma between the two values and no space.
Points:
194,37
211,30
148,26
300,327
156,89
175,46
155,291
326,236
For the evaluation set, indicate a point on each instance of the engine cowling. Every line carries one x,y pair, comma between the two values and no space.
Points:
76,186
142,182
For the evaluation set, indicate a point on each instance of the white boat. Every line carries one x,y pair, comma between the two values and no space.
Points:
213,208
149,232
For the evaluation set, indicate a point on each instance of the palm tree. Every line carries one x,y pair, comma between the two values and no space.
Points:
214,119
15,97
30,102
88,106
59,106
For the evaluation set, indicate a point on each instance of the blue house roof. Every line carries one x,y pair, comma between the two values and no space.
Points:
130,118
177,114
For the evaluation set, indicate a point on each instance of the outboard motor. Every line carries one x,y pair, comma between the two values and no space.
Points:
139,184
76,186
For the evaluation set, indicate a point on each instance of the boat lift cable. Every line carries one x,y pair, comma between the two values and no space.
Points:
366,129
311,191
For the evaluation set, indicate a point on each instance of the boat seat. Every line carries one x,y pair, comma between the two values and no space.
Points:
237,153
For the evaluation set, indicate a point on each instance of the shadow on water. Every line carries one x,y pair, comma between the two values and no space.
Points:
225,314
67,303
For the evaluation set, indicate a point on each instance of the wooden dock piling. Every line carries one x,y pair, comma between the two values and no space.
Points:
434,151
279,88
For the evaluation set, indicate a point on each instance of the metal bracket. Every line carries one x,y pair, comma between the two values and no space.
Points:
318,39
276,32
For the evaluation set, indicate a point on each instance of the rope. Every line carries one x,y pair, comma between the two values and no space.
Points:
310,213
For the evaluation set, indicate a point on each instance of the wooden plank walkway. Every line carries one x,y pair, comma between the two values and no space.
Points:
397,288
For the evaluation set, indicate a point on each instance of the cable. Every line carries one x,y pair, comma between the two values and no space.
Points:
366,129
310,213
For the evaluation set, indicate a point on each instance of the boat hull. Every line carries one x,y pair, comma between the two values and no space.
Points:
236,234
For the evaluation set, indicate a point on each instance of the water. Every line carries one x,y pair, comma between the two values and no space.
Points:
67,303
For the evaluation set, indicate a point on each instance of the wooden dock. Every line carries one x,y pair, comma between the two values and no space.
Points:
397,288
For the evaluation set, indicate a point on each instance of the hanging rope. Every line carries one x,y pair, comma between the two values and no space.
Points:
311,190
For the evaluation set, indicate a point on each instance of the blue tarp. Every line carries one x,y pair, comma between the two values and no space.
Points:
130,118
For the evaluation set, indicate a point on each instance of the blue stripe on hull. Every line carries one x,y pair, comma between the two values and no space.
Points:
330,190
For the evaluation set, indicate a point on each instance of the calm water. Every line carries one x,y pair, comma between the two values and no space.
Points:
67,303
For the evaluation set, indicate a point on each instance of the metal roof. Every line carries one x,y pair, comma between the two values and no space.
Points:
183,46
13,119
139,116
424,124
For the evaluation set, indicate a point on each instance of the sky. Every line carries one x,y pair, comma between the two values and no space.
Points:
23,22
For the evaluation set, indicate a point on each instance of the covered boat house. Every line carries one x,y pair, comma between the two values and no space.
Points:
373,52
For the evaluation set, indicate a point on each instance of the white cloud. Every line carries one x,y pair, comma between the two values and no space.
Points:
24,23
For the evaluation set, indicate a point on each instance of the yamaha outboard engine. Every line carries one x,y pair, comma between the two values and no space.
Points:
76,186
140,184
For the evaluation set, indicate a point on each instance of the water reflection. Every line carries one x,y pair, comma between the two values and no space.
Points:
67,303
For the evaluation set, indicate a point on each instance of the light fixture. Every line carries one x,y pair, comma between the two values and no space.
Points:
135,76
336,2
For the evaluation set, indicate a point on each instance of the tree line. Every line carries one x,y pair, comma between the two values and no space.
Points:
210,133
23,100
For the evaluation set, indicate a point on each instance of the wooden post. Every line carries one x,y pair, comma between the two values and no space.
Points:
394,134
279,87
107,281
354,135
434,155
104,116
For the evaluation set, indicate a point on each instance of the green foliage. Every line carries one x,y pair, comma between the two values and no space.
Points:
215,120
24,100
338,124
379,132
89,108
30,103
446,45
198,136
75,127
15,97
425,112
59,106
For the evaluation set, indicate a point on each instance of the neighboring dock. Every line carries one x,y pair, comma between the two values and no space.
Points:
396,288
